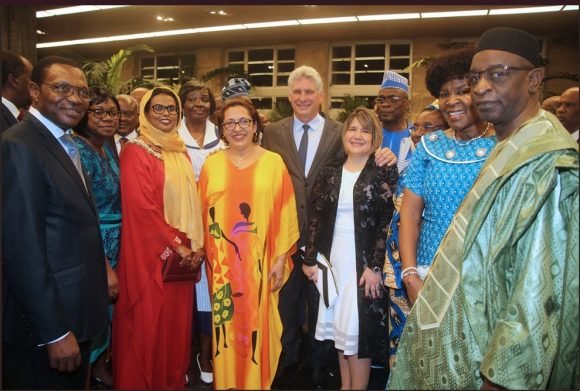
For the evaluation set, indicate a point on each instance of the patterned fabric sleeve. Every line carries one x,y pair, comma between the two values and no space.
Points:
318,212
387,184
415,172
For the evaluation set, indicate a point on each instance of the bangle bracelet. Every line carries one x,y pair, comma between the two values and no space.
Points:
410,273
407,269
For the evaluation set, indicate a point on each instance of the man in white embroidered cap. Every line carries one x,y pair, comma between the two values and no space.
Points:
499,308
392,104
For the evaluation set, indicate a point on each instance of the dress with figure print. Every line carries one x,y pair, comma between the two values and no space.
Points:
250,219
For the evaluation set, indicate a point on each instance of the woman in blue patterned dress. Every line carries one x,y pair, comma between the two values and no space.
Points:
97,158
444,166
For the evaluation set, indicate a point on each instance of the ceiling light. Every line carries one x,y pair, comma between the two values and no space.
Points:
527,10
115,38
220,12
74,10
369,18
220,28
164,19
571,8
452,14
272,24
40,32
328,20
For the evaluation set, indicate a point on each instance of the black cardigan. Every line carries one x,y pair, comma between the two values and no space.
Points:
373,210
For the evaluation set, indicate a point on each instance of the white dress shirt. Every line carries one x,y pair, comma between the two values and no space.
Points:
315,129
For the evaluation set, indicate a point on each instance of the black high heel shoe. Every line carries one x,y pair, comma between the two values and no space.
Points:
99,384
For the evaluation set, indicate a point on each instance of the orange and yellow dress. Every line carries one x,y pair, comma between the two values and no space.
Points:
249,219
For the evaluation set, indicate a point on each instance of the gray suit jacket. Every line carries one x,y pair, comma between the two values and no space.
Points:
278,138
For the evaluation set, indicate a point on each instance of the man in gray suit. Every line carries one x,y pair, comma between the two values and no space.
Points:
306,141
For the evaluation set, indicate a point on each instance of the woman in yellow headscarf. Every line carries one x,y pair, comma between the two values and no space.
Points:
162,215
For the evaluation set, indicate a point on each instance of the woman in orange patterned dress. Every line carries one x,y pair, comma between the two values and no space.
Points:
251,229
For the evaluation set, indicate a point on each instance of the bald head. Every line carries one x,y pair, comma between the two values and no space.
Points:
568,112
16,72
129,114
551,104
138,93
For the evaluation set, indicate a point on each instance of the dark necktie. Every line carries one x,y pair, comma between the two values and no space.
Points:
20,115
303,148
73,153
123,141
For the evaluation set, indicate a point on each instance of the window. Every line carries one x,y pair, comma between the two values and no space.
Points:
167,69
365,64
357,70
267,69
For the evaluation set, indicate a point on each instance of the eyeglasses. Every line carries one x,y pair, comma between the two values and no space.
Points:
392,99
66,90
100,113
497,74
427,127
230,124
160,109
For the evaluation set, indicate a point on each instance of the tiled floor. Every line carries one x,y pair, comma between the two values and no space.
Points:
297,379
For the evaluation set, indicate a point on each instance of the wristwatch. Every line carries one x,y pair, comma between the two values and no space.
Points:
377,269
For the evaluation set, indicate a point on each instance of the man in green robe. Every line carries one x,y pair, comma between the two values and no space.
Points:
499,308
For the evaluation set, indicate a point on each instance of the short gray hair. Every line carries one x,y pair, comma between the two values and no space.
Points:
308,72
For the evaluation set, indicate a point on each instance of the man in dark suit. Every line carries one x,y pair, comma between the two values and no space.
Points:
54,276
15,96
129,123
306,141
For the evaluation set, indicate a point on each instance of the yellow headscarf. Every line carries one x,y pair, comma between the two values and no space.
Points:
181,204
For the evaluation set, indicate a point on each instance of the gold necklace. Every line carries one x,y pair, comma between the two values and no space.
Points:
472,139
238,160
199,139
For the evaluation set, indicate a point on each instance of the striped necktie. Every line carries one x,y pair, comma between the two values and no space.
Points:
73,153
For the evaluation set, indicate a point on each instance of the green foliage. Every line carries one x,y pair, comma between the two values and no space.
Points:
229,72
281,110
107,73
350,103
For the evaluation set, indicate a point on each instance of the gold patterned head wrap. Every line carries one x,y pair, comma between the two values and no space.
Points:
181,204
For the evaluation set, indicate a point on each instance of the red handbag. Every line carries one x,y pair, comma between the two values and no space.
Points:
172,271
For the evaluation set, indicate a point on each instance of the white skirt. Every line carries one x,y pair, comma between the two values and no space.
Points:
340,323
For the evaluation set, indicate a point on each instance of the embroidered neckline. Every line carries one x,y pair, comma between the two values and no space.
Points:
152,149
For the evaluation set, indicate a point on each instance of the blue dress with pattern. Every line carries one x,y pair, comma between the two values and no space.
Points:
441,172
104,177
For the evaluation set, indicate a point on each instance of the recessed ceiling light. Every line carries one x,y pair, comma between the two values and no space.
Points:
164,18
219,12
40,32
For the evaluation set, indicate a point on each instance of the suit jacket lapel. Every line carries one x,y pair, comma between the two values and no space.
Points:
56,149
7,115
288,136
326,141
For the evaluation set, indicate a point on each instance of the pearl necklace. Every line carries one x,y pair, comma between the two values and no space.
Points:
470,140
480,152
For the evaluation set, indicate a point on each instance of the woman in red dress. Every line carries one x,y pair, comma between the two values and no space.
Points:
152,322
